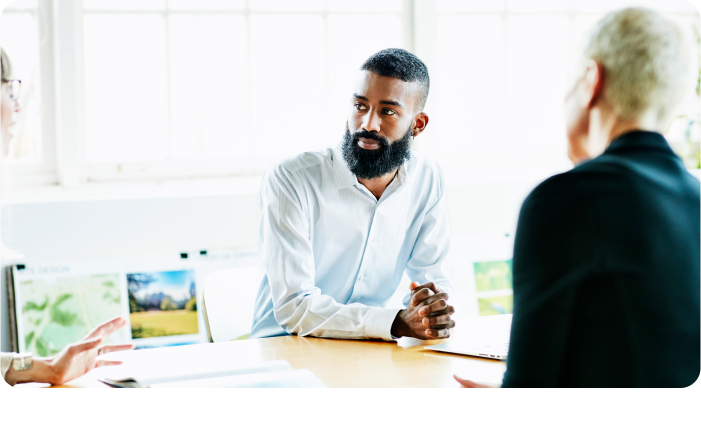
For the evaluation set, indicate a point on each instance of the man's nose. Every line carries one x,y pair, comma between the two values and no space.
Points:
371,122
17,108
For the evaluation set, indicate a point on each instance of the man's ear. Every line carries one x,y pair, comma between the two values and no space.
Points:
419,124
593,83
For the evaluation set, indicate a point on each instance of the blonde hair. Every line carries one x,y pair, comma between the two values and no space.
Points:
647,68
5,65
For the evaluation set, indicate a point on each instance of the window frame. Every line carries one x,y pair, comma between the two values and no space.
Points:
45,172
169,168
63,136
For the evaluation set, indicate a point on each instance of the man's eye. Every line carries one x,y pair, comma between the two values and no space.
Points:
360,106
390,112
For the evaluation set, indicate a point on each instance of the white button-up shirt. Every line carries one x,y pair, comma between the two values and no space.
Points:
332,254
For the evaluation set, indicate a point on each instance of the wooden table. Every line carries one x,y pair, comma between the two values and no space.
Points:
338,363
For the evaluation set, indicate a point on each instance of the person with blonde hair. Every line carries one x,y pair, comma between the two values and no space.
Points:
77,358
606,256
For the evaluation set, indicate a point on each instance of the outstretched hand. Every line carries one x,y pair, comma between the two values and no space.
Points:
468,383
427,315
79,358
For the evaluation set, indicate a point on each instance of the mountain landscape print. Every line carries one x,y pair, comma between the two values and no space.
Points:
162,303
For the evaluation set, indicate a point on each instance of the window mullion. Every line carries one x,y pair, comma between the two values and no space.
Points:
70,92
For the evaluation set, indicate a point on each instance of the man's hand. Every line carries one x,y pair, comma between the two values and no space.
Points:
427,316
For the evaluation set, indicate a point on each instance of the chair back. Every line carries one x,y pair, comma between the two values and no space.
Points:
228,298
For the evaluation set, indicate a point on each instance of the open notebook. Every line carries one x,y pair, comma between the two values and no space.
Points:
221,374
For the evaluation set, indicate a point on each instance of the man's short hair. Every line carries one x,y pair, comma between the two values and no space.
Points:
645,60
400,64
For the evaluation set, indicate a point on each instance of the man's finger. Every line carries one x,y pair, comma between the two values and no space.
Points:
438,333
433,307
107,363
433,298
414,285
448,325
114,348
420,295
450,310
438,320
429,285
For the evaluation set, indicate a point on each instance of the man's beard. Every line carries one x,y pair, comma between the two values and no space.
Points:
368,164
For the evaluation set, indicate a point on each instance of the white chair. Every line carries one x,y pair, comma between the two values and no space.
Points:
228,298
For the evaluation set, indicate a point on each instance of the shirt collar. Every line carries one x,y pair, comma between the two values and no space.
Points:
344,178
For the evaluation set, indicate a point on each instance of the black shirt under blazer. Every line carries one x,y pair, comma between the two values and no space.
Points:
606,273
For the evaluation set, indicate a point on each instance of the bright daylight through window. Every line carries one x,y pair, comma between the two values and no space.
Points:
199,88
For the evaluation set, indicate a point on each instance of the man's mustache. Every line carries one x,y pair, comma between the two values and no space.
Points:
371,136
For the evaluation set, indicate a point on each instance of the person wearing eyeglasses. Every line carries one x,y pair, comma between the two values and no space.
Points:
77,358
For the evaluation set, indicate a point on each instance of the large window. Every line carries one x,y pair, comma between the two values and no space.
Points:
162,89
500,77
221,87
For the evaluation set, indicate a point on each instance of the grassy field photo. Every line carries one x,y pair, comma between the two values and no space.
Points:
151,324
491,306
162,303
493,275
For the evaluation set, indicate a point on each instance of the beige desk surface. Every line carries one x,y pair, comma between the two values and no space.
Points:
338,363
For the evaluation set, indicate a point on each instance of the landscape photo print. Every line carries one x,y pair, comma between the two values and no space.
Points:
162,303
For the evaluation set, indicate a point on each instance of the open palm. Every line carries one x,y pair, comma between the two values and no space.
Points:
79,358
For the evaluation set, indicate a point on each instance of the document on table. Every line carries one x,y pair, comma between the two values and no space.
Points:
301,378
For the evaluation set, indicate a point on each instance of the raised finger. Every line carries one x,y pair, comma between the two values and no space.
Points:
85,345
107,363
434,298
114,348
438,320
433,307
438,333
420,295
108,327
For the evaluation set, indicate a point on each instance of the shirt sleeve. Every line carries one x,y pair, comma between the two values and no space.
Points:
553,253
429,258
5,362
298,304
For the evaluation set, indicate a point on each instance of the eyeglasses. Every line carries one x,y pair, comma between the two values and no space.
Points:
13,86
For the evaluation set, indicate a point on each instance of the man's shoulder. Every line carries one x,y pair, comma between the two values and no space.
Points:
294,165
306,160
425,169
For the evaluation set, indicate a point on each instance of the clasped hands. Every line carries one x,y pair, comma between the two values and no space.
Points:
427,315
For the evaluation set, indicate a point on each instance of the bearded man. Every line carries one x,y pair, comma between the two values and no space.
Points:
340,227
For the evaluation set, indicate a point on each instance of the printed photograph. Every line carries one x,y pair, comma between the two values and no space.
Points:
491,306
162,303
56,312
493,275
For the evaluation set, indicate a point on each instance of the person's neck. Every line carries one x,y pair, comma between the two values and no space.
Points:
378,185
605,127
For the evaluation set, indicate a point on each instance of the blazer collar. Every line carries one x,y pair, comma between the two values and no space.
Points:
639,140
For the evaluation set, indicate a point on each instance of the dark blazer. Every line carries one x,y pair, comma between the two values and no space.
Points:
606,273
